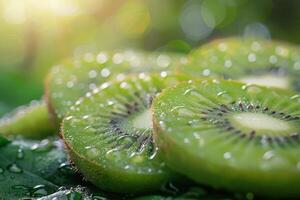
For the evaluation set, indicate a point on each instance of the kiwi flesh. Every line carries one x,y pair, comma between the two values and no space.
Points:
30,121
109,134
70,80
230,135
258,61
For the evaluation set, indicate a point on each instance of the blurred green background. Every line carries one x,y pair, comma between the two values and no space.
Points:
37,34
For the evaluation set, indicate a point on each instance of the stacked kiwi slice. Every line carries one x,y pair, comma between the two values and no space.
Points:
227,136
257,61
226,117
109,135
73,78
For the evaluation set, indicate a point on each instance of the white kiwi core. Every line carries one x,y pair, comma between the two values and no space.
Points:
260,122
143,120
267,80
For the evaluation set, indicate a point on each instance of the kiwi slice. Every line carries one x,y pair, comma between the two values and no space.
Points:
73,78
109,134
30,121
258,61
231,135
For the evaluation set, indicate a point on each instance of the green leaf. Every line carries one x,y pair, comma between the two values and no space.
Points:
3,141
31,169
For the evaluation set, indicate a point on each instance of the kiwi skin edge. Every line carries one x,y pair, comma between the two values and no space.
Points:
117,184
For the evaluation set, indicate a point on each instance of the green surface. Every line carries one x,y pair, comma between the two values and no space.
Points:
34,168
106,145
194,132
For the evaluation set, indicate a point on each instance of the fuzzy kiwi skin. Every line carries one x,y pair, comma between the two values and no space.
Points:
281,187
119,183
32,122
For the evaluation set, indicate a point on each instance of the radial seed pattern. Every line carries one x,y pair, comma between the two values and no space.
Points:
109,134
231,135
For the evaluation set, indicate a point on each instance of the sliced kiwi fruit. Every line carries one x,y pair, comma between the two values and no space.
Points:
73,78
263,62
231,135
109,134
31,121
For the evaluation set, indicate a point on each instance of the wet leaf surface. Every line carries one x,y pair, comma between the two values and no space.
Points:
34,168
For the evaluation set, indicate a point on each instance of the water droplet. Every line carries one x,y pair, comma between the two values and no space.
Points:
196,94
66,168
206,72
186,141
163,74
127,167
124,85
43,146
102,58
223,47
85,117
297,65
162,124
273,59
268,155
20,154
1,170
91,152
92,74
251,89
14,168
39,191
70,84
226,98
182,111
227,155
68,118
112,152
88,94
251,57
105,72
228,63
297,96
221,93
